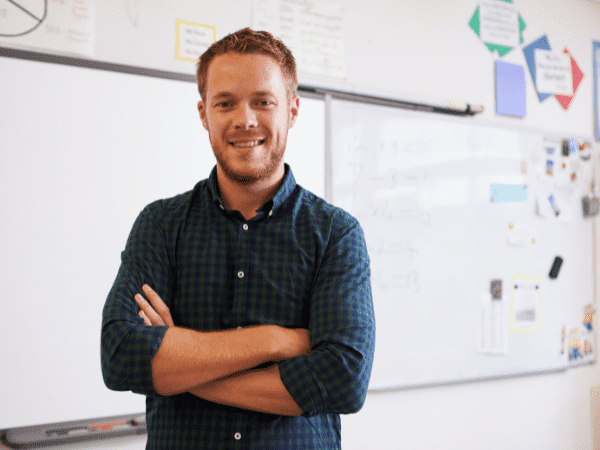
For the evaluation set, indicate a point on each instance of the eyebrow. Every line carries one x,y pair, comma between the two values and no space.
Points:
264,93
226,94
223,94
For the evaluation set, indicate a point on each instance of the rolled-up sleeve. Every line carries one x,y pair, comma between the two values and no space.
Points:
334,377
127,345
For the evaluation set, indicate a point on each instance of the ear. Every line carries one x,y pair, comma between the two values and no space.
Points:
202,111
294,107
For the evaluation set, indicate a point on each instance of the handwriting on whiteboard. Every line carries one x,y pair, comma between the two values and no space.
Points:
386,281
313,30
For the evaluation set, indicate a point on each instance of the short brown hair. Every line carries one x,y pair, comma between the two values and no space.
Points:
248,41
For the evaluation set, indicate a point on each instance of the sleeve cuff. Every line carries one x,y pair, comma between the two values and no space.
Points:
301,384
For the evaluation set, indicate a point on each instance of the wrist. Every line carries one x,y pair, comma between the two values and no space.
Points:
274,343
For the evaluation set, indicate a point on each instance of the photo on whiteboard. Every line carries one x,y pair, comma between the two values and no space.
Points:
582,338
581,345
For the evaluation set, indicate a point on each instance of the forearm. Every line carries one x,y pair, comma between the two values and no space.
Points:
187,358
256,390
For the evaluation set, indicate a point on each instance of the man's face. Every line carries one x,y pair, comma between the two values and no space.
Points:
247,116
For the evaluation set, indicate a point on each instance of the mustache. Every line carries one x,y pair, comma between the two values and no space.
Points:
246,137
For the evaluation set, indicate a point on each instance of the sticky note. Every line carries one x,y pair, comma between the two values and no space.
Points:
510,89
508,193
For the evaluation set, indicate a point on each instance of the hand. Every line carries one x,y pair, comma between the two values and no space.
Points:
156,314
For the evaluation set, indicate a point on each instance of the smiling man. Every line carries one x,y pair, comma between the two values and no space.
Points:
256,328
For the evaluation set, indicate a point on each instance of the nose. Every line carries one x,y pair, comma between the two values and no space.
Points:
245,117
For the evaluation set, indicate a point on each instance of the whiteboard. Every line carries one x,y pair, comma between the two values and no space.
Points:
420,185
82,151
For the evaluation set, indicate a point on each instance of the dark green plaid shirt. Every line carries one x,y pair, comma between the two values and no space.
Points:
300,263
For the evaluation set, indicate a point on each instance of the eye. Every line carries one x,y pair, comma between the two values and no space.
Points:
223,104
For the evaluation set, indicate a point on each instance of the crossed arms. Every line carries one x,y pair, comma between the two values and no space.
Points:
328,376
216,365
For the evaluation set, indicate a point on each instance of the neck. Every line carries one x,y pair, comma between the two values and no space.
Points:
247,198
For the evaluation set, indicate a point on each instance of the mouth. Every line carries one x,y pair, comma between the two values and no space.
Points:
247,143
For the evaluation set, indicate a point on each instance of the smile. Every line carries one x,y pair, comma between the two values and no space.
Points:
253,143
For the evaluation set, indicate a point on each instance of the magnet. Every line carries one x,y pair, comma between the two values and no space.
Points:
556,267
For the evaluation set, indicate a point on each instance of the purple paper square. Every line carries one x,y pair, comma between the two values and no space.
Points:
510,90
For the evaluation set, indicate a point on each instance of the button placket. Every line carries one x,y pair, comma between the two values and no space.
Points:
241,274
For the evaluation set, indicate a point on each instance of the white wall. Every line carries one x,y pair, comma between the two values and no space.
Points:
423,49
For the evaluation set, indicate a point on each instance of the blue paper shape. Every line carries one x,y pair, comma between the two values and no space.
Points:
508,193
529,53
510,89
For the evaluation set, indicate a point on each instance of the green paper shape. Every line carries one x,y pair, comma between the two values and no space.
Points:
521,27
474,23
502,50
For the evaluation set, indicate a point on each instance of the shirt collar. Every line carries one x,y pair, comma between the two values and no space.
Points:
285,190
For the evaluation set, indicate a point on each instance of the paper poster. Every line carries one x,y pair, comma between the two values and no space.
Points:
541,78
553,72
65,26
192,39
525,304
554,202
499,25
312,30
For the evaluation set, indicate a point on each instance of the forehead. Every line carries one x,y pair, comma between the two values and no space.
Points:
239,74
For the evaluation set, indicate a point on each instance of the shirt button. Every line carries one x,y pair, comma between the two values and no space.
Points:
240,274
237,436
270,213
245,227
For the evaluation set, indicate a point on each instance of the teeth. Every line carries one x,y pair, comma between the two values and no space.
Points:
246,144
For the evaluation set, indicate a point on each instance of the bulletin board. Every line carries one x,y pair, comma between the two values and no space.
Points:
462,237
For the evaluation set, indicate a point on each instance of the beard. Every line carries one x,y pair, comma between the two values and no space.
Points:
252,172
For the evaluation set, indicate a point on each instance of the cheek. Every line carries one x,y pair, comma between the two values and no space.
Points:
213,126
280,124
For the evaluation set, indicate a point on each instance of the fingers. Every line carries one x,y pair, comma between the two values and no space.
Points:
143,316
156,311
148,311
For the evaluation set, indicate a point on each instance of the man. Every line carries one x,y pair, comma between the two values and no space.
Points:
256,328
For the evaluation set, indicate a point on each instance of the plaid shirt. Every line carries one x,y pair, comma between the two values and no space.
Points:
300,263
